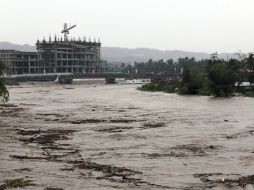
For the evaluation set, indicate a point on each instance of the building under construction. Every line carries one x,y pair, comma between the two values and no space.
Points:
58,55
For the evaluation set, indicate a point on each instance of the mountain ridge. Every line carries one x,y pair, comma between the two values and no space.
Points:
130,55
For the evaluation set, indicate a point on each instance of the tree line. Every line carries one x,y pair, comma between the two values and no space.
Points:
212,76
162,67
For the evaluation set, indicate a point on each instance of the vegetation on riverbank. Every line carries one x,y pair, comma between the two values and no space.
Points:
163,85
217,77
249,94
4,94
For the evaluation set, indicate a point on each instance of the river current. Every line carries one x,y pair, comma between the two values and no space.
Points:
97,136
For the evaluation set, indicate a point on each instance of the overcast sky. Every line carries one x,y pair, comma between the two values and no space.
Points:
193,25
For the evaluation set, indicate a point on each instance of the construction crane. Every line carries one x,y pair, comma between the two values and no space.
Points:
66,30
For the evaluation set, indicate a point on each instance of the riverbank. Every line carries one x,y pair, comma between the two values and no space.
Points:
173,87
115,137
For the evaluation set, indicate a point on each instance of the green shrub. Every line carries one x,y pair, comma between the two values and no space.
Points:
249,94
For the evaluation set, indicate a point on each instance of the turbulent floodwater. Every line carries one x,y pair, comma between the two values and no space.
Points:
96,136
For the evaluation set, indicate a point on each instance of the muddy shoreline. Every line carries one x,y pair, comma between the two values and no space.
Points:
115,137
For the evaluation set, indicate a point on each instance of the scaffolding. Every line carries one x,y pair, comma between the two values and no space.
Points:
57,56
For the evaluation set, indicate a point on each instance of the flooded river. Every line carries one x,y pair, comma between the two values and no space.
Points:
96,136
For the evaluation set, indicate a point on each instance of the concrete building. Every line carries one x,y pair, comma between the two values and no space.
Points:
57,56
19,62
75,56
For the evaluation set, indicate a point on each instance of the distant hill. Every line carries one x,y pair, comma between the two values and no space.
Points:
117,54
25,47
126,55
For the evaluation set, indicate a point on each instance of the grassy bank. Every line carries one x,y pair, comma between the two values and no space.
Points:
195,86
172,88
169,87
181,89
249,94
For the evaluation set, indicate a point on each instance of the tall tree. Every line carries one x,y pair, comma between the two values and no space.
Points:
4,94
250,67
221,78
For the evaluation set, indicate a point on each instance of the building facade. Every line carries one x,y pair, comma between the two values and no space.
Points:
56,56
19,62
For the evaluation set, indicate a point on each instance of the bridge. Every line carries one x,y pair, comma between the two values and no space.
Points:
68,77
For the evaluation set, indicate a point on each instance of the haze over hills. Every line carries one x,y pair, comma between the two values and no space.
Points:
25,47
126,55
117,54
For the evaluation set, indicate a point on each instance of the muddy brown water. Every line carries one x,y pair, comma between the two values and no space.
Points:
96,136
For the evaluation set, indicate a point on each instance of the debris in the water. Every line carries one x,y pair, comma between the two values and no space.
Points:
15,183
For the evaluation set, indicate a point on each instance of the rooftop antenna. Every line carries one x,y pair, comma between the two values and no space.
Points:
66,30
